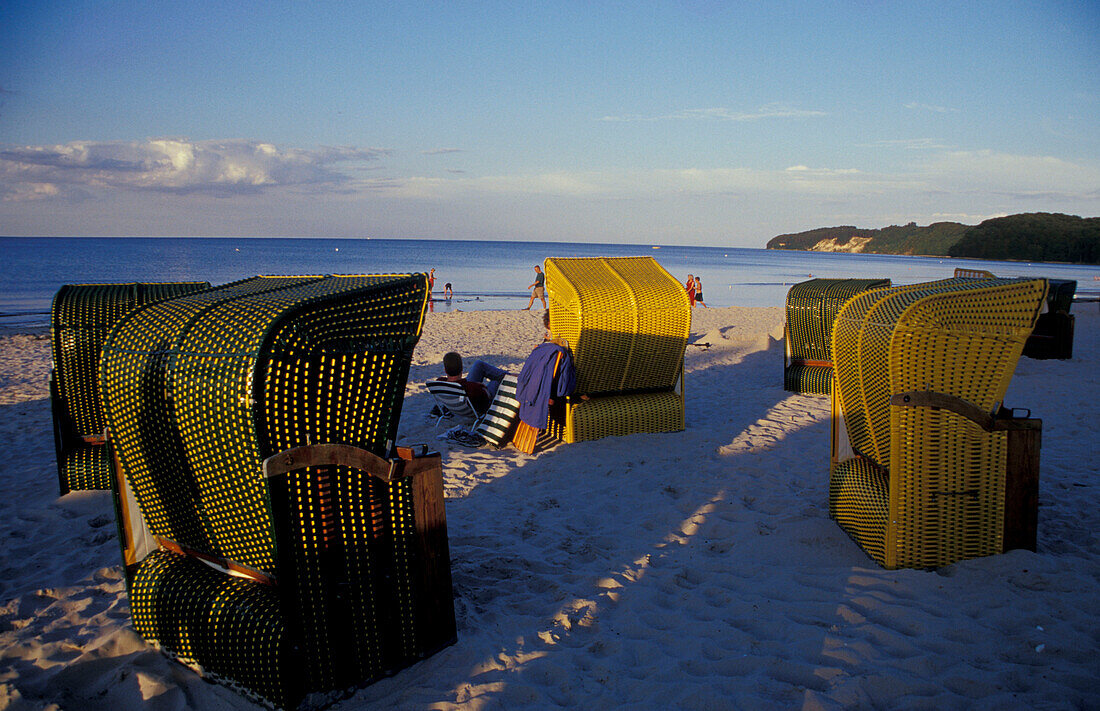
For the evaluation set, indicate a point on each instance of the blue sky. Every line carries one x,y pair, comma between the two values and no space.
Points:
687,122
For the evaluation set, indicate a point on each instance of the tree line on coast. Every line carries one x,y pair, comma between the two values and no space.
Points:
1033,237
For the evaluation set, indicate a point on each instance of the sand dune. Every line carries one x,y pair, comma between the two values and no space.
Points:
695,570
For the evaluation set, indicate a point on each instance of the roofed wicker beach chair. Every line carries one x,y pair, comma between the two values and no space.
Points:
627,322
927,466
812,307
270,540
1052,336
81,318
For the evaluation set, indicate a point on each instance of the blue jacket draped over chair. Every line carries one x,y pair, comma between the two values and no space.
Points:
537,384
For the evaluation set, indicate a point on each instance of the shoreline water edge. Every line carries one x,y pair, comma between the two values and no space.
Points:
485,275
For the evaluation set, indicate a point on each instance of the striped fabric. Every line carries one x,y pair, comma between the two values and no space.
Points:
497,423
451,397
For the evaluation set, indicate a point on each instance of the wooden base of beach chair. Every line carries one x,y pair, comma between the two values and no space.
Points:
1022,482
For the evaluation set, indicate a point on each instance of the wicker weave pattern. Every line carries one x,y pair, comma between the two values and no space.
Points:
626,320
805,336
301,359
960,337
233,629
616,415
859,498
136,370
85,468
808,379
812,307
82,316
199,390
861,342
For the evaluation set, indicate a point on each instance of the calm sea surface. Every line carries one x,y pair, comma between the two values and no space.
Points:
485,275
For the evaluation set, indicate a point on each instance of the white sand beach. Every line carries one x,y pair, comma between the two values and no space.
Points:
694,570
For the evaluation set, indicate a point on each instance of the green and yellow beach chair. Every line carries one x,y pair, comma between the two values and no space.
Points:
81,317
627,322
270,539
927,469
812,307
1052,336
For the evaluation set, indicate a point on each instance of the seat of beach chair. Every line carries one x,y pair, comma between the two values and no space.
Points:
627,322
81,317
452,400
920,466
269,539
811,309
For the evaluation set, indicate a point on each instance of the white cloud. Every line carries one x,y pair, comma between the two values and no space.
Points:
1005,174
647,184
22,192
769,111
440,151
967,218
917,106
913,144
174,186
942,186
172,165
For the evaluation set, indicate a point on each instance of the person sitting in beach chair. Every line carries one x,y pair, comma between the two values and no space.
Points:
485,375
478,394
494,426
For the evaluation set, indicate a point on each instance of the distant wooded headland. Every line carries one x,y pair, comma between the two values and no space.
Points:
1032,237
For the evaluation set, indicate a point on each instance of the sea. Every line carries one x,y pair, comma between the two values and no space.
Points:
483,275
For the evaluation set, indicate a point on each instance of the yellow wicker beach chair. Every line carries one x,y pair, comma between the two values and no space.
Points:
1052,336
812,307
270,538
627,322
926,470
964,273
81,318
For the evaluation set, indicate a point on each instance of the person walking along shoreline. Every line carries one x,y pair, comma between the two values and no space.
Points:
538,289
